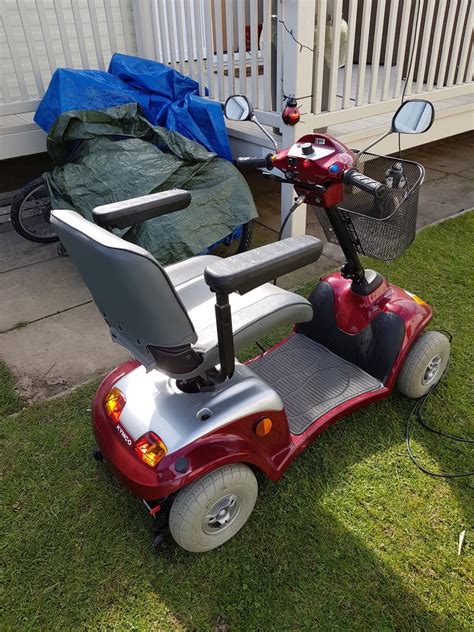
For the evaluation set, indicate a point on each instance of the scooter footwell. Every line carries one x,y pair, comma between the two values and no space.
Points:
310,379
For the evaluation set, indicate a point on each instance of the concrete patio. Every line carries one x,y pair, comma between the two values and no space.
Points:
51,335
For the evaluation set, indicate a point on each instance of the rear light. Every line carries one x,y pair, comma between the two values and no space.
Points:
150,448
114,403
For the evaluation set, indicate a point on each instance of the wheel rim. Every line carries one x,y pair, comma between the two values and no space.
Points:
34,213
222,514
432,369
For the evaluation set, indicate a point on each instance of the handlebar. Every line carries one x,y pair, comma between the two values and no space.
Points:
377,189
256,163
351,176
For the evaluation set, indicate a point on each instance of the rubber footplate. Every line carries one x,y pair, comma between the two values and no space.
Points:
311,380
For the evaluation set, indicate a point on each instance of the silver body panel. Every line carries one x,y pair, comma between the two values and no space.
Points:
154,403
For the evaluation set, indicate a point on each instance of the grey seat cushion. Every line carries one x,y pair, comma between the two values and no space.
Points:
253,315
189,269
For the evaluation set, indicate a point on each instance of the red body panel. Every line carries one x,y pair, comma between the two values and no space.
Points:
317,171
354,312
237,442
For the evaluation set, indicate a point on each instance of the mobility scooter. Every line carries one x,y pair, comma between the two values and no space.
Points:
184,425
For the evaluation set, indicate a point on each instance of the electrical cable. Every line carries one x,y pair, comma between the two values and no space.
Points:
297,203
417,409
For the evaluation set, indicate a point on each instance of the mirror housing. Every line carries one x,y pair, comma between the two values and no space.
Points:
238,108
415,116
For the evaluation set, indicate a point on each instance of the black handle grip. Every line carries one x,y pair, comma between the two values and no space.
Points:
255,163
377,189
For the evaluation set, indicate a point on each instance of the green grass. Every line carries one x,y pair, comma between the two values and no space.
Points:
354,537
10,401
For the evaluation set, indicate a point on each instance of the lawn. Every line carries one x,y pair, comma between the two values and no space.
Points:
10,401
354,537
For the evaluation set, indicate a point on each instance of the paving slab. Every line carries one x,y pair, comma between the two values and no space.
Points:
40,290
469,172
15,251
313,272
61,351
444,197
433,174
446,157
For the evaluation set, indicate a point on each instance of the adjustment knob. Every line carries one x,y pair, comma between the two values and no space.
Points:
307,148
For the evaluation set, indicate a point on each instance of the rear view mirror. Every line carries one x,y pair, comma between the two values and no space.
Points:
413,117
238,108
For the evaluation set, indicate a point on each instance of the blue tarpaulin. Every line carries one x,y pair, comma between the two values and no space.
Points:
166,97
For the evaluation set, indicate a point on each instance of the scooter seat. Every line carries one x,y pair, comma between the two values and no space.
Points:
189,269
254,314
166,317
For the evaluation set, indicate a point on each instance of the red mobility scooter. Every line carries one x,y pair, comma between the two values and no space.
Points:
184,425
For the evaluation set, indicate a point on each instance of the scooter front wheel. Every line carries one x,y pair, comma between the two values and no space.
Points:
214,508
425,364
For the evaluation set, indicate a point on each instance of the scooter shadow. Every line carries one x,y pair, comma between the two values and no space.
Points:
323,550
298,563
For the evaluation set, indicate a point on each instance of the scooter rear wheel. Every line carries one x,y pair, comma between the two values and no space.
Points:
214,508
425,364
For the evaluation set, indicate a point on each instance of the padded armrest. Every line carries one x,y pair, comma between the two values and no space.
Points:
248,270
137,210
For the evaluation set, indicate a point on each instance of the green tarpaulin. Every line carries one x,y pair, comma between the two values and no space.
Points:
116,154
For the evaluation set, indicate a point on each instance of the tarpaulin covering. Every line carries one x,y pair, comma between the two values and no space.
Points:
116,154
166,97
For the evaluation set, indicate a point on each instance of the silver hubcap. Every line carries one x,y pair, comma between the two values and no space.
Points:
221,514
432,369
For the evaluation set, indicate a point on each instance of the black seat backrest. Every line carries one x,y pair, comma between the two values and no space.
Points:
133,293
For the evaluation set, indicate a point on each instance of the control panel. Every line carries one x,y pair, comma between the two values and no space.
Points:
317,161
310,150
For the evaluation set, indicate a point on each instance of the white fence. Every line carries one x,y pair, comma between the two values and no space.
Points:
37,36
343,58
347,62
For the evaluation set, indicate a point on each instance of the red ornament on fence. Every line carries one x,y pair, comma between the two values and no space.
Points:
291,113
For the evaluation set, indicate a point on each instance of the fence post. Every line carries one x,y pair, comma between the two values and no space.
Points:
144,20
298,43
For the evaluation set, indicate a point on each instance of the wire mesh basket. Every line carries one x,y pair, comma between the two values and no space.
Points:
382,229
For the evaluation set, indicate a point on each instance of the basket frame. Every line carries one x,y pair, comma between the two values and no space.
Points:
385,237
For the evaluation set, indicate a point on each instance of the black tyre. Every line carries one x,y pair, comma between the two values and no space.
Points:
234,247
30,212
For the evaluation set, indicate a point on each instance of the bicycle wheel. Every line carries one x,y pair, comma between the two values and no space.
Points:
30,211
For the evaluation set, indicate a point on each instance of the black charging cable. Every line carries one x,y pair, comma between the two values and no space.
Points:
298,202
416,413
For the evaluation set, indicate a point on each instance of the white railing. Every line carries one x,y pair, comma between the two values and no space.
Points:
217,43
37,36
343,60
